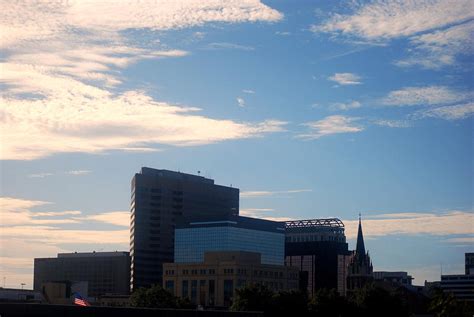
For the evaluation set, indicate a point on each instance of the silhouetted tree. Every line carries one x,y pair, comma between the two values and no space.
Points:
445,305
254,297
376,301
328,302
287,303
157,297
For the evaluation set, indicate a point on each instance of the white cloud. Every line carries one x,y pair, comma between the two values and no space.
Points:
283,33
439,224
345,79
248,91
241,102
467,240
393,123
345,106
330,125
440,48
384,19
39,175
262,193
231,46
78,172
438,30
430,95
455,112
263,213
118,218
67,56
25,234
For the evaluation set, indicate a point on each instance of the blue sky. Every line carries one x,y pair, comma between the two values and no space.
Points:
312,109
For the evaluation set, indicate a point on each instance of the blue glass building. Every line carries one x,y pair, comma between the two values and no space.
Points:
234,233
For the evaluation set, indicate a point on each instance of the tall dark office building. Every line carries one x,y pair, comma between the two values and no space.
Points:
160,200
105,272
316,247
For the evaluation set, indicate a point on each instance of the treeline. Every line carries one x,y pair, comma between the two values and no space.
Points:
372,300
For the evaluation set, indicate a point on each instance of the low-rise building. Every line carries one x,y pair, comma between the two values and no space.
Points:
213,281
401,278
105,272
13,295
461,286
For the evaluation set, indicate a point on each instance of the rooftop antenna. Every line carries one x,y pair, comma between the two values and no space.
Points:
22,284
4,281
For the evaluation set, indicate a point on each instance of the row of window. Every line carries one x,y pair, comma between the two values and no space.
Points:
310,238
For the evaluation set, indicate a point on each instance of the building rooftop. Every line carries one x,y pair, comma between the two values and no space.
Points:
92,254
237,221
175,175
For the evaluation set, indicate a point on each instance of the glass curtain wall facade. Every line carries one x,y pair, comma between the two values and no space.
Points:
234,234
161,199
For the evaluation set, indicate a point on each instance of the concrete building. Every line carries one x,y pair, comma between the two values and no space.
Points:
13,295
105,272
461,286
401,278
161,199
318,248
233,233
213,281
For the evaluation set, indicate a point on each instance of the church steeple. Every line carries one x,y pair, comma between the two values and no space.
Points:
360,248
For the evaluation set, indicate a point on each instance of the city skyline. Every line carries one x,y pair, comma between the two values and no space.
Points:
312,110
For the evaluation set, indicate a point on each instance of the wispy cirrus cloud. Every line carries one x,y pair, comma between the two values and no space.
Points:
438,30
393,123
229,46
40,175
440,48
437,224
263,193
456,112
263,213
429,95
346,79
385,19
241,102
330,125
345,105
62,66
78,172
118,218
437,101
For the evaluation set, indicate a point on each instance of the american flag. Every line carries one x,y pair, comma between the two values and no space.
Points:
78,300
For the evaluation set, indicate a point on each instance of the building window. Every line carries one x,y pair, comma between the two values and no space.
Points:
212,290
228,292
169,285
193,291
185,289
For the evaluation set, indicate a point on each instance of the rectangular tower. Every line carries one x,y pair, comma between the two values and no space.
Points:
160,199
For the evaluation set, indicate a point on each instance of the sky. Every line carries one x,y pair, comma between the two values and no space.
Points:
312,108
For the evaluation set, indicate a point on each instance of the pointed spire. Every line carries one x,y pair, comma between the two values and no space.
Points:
360,248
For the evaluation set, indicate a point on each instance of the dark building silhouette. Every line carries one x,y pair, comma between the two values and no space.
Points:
105,272
316,247
161,199
360,270
469,263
